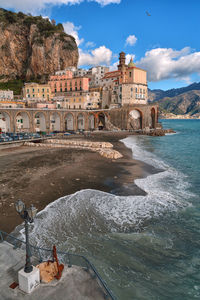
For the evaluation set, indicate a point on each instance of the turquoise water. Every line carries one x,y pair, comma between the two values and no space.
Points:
145,247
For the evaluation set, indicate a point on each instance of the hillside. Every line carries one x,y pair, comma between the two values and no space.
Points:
32,47
181,101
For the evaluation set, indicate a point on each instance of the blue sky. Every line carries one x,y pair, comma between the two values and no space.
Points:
166,43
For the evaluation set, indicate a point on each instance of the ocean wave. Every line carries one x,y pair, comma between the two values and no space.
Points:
89,212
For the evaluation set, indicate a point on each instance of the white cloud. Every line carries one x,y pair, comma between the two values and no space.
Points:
90,44
98,56
106,2
165,63
71,29
131,40
36,6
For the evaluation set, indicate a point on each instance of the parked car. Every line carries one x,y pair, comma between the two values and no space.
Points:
67,133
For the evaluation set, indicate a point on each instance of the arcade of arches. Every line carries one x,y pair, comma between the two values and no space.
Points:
30,120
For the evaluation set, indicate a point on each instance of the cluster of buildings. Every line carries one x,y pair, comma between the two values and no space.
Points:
80,89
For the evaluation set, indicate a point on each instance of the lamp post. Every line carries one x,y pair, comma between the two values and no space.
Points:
27,214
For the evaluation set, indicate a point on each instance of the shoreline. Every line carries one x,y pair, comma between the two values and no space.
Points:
41,176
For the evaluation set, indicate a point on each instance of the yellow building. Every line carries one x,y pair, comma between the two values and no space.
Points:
36,91
81,100
75,100
125,86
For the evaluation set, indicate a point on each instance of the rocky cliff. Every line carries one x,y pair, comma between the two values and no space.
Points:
33,47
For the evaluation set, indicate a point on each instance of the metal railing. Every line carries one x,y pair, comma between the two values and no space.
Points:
43,254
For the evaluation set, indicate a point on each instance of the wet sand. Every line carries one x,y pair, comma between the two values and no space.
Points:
40,176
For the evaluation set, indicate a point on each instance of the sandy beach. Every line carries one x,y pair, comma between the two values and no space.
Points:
40,176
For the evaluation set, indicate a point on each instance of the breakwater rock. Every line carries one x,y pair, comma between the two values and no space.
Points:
105,149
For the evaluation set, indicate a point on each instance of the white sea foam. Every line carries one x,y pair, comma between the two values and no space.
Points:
90,211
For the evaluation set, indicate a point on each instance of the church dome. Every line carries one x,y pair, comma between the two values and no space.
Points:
131,63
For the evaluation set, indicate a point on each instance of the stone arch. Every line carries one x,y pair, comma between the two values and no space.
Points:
69,121
5,123
136,119
91,122
55,121
153,118
22,122
101,121
40,122
80,121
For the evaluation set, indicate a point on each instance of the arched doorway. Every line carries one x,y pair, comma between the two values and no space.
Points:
4,122
54,122
22,122
91,123
40,122
69,122
80,122
153,118
135,119
101,121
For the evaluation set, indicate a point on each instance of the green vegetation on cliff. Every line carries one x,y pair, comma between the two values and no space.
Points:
46,28
13,85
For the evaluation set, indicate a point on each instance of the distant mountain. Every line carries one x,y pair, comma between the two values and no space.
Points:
184,100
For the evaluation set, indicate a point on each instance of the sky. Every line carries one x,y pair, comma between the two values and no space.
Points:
162,36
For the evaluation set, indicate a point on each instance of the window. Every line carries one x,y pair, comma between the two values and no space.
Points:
70,89
130,74
79,106
65,89
136,90
42,90
33,95
47,90
74,100
75,88
74,106
33,90
43,95
140,90
55,90
61,89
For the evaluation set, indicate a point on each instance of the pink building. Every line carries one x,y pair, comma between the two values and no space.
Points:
46,105
66,83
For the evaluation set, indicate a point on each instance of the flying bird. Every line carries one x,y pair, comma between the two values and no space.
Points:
148,14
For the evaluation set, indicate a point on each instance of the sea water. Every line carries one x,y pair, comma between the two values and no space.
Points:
145,247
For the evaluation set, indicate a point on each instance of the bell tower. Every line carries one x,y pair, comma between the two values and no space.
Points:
122,67
122,60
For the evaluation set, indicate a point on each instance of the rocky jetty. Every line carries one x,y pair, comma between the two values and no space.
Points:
32,47
105,149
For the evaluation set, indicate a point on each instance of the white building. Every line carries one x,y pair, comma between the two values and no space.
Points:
6,95
80,72
65,72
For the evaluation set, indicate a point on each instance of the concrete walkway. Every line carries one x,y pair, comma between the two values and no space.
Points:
75,283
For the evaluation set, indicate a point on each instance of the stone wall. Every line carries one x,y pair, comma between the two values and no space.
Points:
112,119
